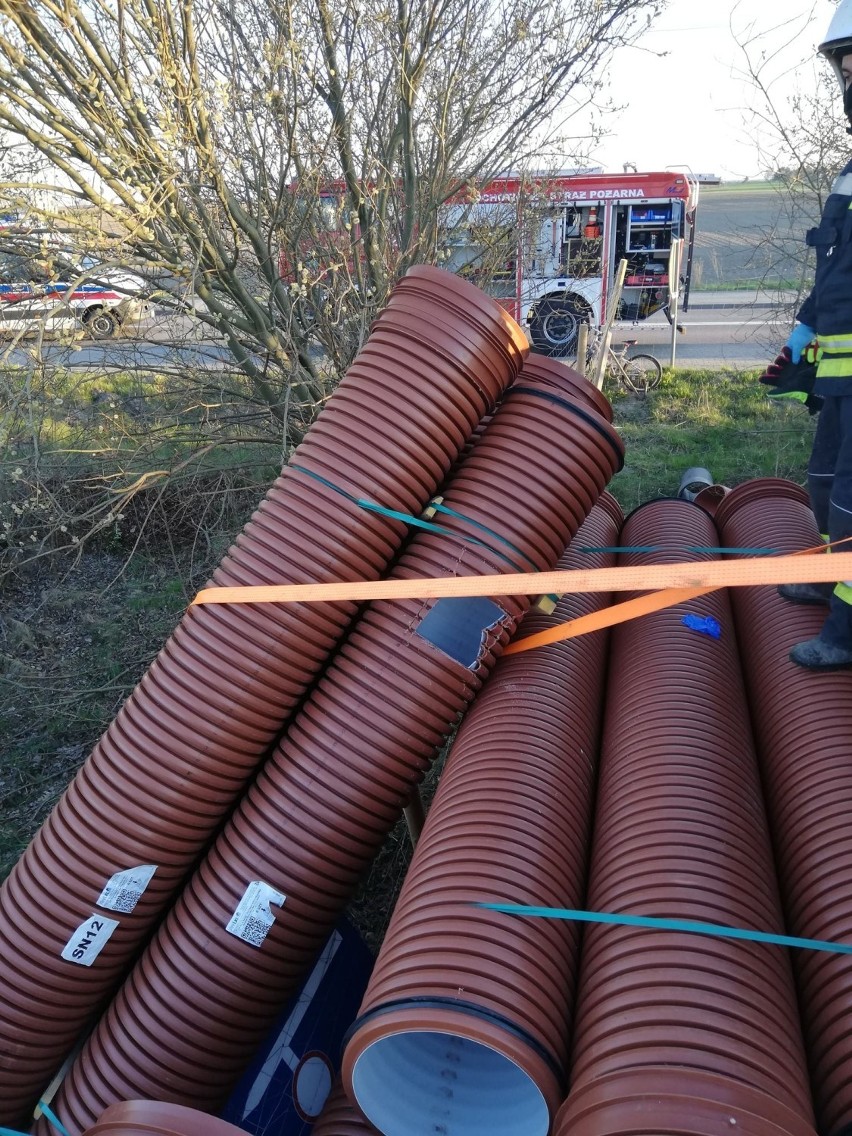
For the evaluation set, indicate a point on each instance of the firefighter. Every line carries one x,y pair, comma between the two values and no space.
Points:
815,367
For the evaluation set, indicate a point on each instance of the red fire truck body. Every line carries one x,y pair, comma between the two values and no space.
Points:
547,247
558,242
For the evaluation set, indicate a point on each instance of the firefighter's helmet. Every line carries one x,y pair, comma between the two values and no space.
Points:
838,40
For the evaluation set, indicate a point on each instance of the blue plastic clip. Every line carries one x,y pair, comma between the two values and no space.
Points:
704,625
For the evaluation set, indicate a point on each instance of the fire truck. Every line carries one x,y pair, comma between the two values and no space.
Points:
548,247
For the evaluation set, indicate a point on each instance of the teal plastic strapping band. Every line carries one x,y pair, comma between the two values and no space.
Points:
691,548
324,481
440,508
650,923
53,1118
419,522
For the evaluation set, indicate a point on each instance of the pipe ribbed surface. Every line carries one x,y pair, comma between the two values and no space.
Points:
471,998
705,1027
201,998
340,1118
803,723
181,748
562,378
560,374
157,1118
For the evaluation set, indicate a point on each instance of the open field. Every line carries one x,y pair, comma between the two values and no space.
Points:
746,235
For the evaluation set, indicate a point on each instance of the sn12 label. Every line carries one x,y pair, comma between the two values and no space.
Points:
90,938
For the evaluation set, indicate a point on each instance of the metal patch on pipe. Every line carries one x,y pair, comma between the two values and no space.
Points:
459,625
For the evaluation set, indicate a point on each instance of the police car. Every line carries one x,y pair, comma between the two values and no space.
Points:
77,295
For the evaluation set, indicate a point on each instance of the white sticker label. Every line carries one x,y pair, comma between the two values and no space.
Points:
89,940
253,917
124,890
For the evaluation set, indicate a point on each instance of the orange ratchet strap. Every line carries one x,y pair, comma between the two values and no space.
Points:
692,577
608,617
642,605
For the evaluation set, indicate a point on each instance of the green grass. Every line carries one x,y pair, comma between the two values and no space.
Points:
723,422
741,187
73,643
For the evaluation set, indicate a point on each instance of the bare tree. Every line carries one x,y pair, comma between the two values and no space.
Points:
208,132
803,145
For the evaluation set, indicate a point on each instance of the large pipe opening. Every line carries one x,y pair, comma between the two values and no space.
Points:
452,1084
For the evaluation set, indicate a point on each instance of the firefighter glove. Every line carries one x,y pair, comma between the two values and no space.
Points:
794,382
800,337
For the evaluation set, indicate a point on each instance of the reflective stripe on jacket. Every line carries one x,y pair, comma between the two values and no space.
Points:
828,308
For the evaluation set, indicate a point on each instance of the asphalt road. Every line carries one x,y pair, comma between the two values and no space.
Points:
722,329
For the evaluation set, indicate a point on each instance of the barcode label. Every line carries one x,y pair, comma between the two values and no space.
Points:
255,931
124,890
254,916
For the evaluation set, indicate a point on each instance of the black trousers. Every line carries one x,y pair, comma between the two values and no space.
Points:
830,487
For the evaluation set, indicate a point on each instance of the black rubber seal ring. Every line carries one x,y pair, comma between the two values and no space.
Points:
579,412
472,1010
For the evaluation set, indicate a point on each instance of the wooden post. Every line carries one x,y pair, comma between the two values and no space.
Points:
600,360
606,330
582,347
675,256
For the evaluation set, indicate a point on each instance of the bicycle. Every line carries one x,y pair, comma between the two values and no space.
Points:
638,373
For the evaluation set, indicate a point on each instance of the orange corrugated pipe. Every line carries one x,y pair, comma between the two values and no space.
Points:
681,1033
250,921
106,864
467,999
803,725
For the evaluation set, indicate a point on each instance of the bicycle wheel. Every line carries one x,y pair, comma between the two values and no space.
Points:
642,373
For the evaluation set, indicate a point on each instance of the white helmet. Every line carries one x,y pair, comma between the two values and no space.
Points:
838,41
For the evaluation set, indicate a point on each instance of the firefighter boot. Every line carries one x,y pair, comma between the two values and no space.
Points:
806,593
831,650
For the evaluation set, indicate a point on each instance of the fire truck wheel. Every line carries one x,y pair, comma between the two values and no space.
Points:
554,327
101,323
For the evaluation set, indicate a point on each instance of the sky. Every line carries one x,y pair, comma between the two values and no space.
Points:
685,102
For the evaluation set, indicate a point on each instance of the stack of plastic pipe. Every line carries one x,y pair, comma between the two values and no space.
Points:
687,1034
106,865
251,920
803,723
